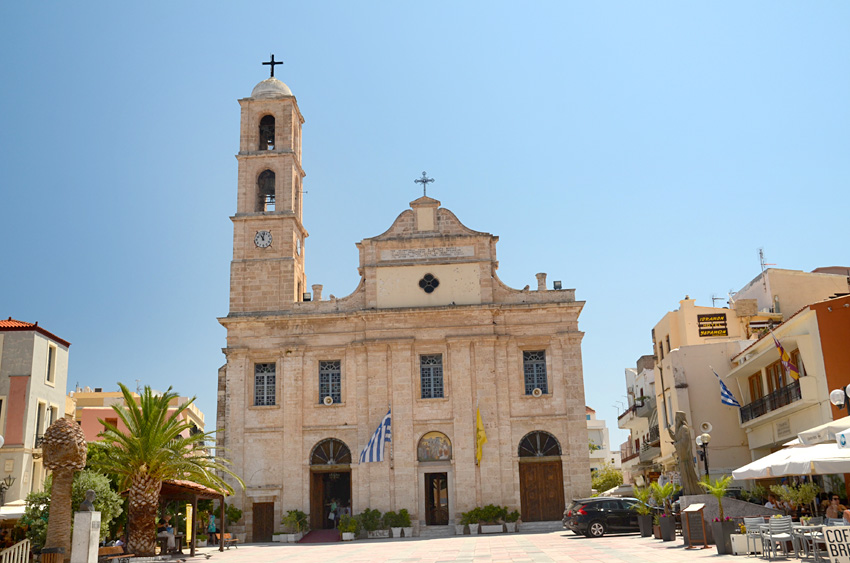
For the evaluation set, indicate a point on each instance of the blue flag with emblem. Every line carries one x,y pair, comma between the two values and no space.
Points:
376,448
726,396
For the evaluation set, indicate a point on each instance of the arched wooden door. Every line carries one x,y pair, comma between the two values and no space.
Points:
330,479
541,478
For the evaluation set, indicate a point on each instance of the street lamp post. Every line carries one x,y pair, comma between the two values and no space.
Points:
4,486
839,398
702,441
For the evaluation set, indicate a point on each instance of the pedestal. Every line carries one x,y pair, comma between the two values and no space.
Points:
86,537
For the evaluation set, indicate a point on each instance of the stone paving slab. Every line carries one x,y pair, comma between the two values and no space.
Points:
552,547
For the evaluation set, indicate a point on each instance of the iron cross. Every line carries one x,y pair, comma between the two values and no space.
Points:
272,63
424,180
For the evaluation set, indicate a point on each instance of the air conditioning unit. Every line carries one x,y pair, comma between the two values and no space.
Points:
705,427
328,400
538,392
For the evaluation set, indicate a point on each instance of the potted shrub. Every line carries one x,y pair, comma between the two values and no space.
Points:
663,494
656,526
722,528
492,519
201,540
391,521
372,523
349,527
404,522
295,523
471,519
644,511
511,521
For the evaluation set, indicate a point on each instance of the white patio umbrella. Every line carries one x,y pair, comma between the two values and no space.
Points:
823,433
764,467
843,438
820,459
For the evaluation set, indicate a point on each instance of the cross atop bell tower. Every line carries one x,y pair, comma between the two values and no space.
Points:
267,272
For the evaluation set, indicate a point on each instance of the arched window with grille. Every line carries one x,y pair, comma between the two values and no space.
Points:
539,444
330,451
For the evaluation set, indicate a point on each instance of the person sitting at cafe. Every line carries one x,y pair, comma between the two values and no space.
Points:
835,510
164,530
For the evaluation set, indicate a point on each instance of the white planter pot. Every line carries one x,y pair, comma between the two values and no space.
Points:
739,545
278,538
408,532
375,534
200,543
473,529
459,529
491,529
347,536
292,538
396,532
511,526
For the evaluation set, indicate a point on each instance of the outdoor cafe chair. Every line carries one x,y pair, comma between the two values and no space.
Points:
777,535
754,527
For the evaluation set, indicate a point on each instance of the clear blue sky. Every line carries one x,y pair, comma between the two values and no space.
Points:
637,151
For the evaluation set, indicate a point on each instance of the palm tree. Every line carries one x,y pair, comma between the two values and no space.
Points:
64,450
158,445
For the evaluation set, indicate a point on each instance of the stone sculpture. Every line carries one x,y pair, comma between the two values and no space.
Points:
682,442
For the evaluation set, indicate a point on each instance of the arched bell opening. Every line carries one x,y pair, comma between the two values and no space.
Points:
267,133
265,191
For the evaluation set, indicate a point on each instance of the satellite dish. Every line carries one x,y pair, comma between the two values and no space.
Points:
538,392
705,427
328,400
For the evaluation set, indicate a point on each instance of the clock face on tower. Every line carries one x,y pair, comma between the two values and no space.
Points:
263,239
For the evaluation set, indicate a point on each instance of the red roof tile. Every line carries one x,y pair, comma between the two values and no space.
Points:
12,325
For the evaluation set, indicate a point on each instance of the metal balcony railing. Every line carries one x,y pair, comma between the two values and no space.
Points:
779,398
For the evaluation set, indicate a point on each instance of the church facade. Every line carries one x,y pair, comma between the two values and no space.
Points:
430,334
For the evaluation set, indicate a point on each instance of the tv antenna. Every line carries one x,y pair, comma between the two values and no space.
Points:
715,298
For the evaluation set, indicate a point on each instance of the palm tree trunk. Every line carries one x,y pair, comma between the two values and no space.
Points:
59,523
144,500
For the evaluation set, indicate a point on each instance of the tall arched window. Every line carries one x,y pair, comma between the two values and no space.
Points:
265,191
539,444
267,133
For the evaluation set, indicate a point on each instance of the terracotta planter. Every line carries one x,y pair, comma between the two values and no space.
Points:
656,531
645,523
668,528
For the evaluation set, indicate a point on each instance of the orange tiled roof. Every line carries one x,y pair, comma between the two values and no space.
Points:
10,325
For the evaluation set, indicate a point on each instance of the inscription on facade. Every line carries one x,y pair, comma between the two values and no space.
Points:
712,325
424,253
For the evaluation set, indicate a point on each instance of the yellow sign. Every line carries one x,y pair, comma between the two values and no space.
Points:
190,524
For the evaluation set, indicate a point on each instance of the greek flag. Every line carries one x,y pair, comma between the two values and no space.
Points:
374,450
726,396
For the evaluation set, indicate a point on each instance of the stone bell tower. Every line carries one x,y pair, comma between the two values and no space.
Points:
267,271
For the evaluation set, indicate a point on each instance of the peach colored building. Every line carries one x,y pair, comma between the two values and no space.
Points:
94,405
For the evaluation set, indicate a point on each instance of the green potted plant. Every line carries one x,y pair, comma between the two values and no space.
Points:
511,521
471,519
372,523
644,511
349,527
201,540
404,522
295,523
492,519
722,528
663,494
391,521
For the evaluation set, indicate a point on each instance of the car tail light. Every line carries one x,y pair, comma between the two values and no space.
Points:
581,511
569,513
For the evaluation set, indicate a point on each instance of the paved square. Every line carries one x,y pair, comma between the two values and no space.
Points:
503,548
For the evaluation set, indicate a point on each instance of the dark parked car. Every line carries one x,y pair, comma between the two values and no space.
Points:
594,517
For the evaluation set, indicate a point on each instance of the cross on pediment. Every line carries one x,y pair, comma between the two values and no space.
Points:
272,63
424,180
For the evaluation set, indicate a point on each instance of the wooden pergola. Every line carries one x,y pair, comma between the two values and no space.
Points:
175,489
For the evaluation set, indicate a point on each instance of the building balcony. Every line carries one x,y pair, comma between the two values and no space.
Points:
781,397
645,407
626,417
649,453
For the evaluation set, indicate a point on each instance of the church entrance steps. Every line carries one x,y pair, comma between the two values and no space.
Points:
321,536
